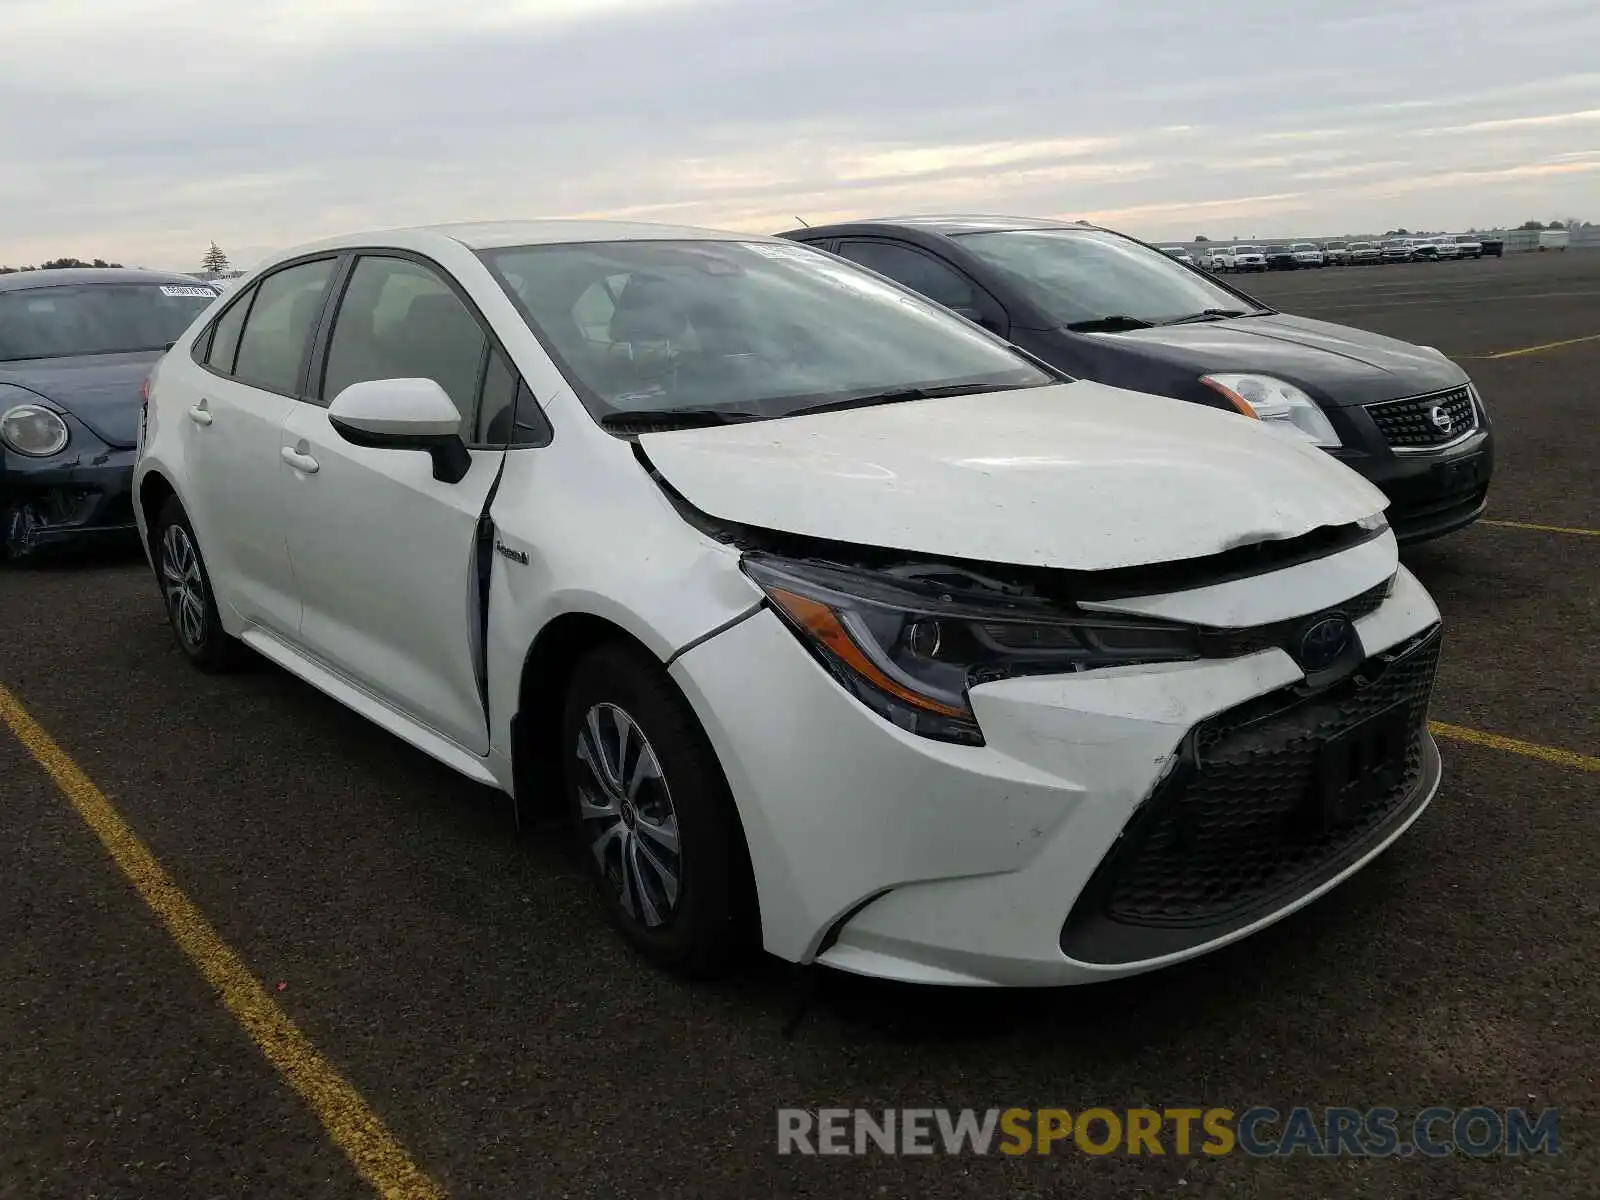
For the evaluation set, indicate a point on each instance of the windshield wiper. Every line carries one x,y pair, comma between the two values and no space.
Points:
1208,314
642,420
1112,324
900,396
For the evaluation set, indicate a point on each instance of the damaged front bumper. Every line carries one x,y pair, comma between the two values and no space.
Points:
82,495
1057,853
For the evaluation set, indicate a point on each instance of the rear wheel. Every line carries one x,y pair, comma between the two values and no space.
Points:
186,589
654,815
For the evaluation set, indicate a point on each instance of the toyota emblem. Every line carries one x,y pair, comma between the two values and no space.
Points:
1441,419
1324,642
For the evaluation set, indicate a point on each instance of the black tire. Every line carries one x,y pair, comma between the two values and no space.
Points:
190,605
699,932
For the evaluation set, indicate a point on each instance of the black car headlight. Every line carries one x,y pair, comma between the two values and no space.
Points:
34,430
910,643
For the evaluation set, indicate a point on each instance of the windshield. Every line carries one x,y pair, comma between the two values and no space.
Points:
1277,249
1078,275
1303,246
1361,245
66,319
1337,246
753,329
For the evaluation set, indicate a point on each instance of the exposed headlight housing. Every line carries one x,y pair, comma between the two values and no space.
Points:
1281,407
34,430
1377,521
910,646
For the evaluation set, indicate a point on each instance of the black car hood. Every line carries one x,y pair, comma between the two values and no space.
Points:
101,390
1339,365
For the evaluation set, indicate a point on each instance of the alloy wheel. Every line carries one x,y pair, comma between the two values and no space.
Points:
627,816
183,585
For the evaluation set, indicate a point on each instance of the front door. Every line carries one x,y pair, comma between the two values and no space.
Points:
384,554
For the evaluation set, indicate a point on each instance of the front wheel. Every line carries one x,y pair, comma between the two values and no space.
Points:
186,588
654,815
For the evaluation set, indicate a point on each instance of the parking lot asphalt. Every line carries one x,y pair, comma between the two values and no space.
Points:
458,976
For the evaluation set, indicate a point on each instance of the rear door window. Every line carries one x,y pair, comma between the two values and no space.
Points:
225,337
278,331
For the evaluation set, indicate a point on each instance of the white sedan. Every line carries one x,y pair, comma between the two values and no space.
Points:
832,621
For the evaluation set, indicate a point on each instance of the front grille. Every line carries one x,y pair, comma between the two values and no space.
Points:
1238,828
1409,423
1236,643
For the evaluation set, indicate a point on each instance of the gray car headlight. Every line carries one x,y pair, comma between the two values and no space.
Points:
910,646
1279,406
34,430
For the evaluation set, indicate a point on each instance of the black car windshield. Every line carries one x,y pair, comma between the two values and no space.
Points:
67,319
1078,275
750,329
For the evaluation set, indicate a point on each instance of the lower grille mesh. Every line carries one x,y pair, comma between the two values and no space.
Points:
1243,825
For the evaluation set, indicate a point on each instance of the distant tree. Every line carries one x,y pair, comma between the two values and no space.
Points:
214,261
1531,225
57,263
1200,237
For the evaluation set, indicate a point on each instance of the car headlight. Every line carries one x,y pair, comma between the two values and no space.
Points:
34,430
911,644
1281,407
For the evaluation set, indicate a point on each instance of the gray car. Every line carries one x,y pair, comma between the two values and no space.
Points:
76,346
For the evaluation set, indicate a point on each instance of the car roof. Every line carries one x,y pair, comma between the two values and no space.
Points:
17,281
489,235
948,224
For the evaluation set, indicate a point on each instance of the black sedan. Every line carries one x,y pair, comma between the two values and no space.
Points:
1098,305
75,348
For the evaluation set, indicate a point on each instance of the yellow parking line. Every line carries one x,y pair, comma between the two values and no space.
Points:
1543,528
354,1127
1494,741
1592,337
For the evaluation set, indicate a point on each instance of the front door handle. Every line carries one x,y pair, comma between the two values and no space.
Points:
299,461
200,414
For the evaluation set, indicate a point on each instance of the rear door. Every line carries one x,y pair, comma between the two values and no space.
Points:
252,367
386,557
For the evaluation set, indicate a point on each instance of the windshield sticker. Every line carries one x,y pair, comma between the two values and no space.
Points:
771,250
171,290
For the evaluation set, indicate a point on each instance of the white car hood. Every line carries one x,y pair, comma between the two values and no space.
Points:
1076,476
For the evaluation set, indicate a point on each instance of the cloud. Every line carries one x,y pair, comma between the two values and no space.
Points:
143,129
1589,116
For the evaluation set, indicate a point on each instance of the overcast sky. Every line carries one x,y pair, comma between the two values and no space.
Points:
140,130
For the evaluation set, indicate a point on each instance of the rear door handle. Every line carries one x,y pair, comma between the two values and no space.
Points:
300,462
200,414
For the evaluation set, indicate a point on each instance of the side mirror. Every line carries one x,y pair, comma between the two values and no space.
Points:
403,414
